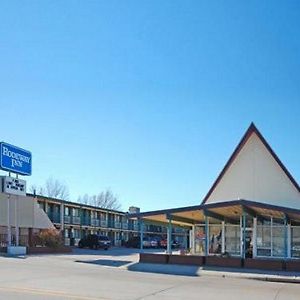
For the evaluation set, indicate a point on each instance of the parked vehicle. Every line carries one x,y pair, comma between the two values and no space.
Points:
174,244
94,241
153,243
133,242
148,242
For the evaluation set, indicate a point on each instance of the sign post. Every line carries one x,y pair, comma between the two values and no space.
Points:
8,222
19,161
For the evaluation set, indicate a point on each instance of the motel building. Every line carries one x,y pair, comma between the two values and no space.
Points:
30,214
23,216
250,217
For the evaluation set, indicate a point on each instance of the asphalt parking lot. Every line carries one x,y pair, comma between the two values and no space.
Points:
116,274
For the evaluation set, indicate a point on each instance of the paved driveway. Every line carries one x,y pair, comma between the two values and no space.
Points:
87,274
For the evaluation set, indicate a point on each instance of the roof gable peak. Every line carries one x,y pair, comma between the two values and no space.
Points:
251,129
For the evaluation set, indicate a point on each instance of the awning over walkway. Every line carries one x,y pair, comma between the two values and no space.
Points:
230,211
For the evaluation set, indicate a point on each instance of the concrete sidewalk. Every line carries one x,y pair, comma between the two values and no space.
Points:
184,270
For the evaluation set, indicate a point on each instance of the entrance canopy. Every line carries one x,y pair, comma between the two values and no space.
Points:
229,211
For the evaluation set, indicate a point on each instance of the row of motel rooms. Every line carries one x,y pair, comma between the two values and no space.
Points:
76,220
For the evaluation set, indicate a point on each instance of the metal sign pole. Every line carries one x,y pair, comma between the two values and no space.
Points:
8,222
16,222
16,218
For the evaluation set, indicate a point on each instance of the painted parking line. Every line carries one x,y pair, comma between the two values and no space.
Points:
47,293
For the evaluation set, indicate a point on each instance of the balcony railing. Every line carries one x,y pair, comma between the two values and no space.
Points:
95,222
124,225
111,224
76,220
86,221
117,225
67,219
103,223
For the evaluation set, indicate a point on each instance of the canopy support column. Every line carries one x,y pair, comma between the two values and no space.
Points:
243,234
254,237
141,234
192,240
169,237
287,237
206,235
223,237
289,241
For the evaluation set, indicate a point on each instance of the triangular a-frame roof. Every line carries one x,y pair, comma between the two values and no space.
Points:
269,179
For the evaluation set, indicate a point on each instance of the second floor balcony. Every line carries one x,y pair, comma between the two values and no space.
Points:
124,225
95,222
67,219
117,225
76,220
86,221
103,223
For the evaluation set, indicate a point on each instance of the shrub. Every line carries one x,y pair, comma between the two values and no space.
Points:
50,238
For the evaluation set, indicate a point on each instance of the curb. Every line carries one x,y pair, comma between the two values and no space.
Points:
196,271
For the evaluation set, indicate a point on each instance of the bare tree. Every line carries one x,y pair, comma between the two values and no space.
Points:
38,190
85,199
53,188
105,199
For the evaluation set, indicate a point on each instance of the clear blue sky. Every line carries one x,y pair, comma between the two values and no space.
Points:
148,98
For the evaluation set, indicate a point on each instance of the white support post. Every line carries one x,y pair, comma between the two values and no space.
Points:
289,241
169,237
192,240
206,236
223,237
8,222
271,236
254,237
62,214
141,234
46,207
244,234
241,236
16,221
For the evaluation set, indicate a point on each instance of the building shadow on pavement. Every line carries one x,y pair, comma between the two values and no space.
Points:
165,269
105,262
113,251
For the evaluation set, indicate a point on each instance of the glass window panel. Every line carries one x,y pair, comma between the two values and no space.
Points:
278,234
263,240
66,210
295,235
215,239
200,240
232,239
263,252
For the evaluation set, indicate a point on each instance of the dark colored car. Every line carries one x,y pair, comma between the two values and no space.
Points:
135,242
94,241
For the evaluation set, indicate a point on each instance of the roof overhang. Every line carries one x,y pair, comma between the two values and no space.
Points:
229,211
